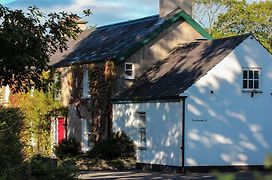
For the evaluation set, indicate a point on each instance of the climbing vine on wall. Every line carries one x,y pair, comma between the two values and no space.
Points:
99,106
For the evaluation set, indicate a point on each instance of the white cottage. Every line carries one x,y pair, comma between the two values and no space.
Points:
208,104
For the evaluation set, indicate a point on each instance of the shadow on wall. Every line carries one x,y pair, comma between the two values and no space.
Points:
224,126
163,135
229,126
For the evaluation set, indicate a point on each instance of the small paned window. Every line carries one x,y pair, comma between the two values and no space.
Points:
129,71
86,90
251,78
142,129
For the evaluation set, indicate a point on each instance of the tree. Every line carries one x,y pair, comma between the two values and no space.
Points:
27,40
206,12
246,17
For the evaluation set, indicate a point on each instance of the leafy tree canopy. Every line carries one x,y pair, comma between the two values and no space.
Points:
246,17
28,39
233,17
206,12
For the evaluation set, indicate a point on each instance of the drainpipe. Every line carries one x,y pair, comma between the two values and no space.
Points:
183,98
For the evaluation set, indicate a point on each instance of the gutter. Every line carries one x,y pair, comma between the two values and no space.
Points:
145,99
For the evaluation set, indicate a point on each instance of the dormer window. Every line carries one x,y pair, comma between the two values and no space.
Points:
251,79
129,71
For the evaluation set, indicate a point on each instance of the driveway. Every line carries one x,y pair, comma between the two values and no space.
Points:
135,174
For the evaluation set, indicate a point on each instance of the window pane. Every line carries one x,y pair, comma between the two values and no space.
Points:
142,118
88,126
129,73
250,84
256,74
256,84
86,83
250,74
89,140
245,74
143,135
245,84
128,66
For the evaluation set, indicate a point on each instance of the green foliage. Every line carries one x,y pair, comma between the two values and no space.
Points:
36,133
207,11
118,146
67,170
10,147
68,148
42,167
246,17
268,162
27,42
49,169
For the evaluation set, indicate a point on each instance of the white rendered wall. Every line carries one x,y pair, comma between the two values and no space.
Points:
163,130
229,127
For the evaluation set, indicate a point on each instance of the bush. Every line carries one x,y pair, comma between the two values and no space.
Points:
119,146
47,168
67,148
11,120
42,167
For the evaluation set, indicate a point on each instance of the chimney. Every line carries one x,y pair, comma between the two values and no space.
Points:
167,6
82,24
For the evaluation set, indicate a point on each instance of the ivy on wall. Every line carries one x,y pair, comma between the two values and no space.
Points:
99,105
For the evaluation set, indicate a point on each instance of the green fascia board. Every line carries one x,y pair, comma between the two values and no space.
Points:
196,26
164,26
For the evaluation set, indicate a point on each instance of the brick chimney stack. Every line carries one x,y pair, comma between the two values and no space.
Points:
167,6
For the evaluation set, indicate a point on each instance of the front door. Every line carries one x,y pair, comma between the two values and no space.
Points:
61,130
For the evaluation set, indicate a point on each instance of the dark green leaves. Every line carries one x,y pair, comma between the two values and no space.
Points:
27,42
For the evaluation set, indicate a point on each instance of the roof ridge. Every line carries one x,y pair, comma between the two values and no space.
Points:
128,21
234,36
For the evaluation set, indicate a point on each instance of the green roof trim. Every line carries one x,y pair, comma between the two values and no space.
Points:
165,25
196,26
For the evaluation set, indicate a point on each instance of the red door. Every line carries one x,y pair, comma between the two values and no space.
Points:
60,129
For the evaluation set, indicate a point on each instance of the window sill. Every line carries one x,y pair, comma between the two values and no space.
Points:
87,98
251,91
131,79
142,148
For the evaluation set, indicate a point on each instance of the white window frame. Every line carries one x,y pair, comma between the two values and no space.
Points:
57,80
132,70
86,135
86,89
6,95
142,130
246,79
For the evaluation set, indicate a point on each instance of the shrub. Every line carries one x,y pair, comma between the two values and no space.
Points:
67,148
119,146
42,167
47,168
10,147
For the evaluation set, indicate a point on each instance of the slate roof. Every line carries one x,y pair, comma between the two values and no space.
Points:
117,41
184,66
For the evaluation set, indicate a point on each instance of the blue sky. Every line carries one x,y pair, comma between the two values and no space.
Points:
104,11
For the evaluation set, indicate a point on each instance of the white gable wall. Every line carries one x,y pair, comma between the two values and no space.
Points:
163,130
229,127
